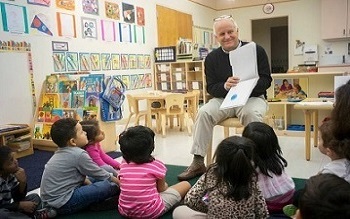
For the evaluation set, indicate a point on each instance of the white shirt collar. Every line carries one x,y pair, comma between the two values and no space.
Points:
227,52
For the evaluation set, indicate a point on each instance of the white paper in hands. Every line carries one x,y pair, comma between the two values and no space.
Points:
244,65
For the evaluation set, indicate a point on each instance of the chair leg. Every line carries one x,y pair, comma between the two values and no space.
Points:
187,124
226,131
127,123
163,122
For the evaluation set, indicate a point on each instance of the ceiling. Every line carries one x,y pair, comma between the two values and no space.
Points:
231,4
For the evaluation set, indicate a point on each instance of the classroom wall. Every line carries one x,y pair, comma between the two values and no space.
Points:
304,24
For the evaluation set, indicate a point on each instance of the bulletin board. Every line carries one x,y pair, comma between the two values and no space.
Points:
16,98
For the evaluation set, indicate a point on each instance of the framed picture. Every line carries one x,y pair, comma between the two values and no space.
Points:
106,61
124,61
84,59
285,88
95,61
72,61
59,46
89,29
132,61
59,61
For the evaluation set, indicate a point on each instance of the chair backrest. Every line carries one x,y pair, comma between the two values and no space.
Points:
133,104
174,103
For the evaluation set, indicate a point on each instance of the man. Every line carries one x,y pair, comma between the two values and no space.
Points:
219,80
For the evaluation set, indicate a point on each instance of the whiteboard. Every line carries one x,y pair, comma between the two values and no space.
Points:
16,101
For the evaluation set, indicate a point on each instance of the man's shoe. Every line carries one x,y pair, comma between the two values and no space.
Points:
192,172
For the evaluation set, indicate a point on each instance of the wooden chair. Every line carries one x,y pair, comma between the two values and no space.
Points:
227,124
174,106
135,111
193,104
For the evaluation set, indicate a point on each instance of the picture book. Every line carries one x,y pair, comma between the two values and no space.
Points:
50,101
78,99
67,86
65,100
48,116
90,113
56,114
46,131
41,116
38,130
79,113
69,113
51,84
91,83
92,99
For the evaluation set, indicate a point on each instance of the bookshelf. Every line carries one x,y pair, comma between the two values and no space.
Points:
18,137
178,76
74,109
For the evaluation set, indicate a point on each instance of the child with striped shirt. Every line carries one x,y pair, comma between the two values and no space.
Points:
144,192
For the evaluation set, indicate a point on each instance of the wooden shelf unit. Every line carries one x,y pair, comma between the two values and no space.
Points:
184,75
24,130
316,82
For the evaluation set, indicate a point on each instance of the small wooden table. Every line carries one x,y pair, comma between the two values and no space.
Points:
158,96
310,110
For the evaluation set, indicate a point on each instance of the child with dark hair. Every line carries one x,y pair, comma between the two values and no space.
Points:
144,192
276,186
229,188
335,150
13,186
95,135
325,196
63,185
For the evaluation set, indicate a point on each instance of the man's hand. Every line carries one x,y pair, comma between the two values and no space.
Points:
231,82
21,175
27,206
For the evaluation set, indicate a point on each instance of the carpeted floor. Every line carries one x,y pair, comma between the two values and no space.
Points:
34,166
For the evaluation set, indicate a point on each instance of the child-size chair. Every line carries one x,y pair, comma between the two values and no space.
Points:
135,111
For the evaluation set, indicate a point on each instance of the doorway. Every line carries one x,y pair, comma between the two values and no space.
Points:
272,35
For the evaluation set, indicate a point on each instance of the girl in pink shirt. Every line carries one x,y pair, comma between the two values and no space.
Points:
144,192
95,135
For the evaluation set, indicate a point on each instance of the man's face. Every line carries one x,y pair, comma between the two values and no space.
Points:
226,34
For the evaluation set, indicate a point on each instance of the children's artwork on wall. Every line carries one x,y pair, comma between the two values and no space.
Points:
112,10
66,4
139,34
140,14
147,61
108,30
40,2
115,61
125,32
124,61
40,23
84,61
66,25
133,82
89,29
140,62
126,81
90,6
106,61
132,61
59,61
147,80
14,18
128,13
141,81
95,61
72,61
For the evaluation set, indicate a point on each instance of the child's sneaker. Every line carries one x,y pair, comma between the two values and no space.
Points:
45,213
290,210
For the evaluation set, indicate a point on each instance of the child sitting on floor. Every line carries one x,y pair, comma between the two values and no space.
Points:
62,185
13,186
325,196
95,135
144,192
276,186
229,188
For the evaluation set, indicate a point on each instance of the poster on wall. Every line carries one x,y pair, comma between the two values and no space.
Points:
128,13
66,4
112,10
40,23
89,29
14,18
108,31
40,2
59,60
84,61
140,14
72,61
115,61
125,32
66,25
90,6
106,61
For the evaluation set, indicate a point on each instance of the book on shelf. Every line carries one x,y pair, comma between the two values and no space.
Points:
7,128
78,99
67,86
90,113
91,83
46,131
92,99
65,100
38,131
51,84
19,145
50,101
56,114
